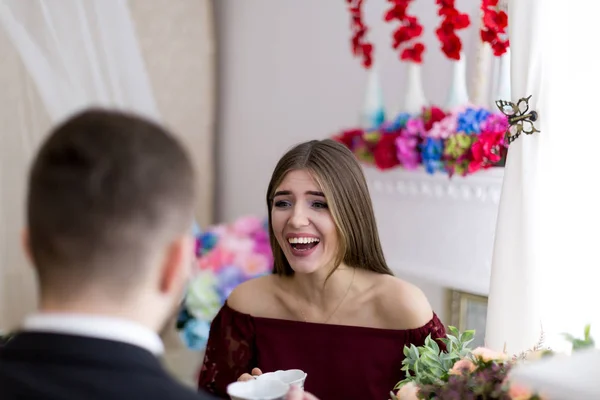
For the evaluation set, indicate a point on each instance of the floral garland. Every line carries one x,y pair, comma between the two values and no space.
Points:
227,255
452,20
360,46
461,141
409,29
494,26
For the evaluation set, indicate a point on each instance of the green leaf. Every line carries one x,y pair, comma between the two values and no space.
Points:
586,332
467,336
453,331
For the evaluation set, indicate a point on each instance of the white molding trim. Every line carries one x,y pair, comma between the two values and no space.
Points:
437,228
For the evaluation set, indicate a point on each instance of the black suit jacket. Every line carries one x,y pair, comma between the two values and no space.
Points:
49,366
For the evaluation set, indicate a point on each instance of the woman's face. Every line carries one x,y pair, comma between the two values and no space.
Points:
303,224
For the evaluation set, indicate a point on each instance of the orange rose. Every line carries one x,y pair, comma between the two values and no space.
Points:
462,366
409,391
485,354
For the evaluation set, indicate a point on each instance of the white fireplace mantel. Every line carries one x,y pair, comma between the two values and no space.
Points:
437,228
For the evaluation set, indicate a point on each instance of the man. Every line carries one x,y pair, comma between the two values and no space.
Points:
109,209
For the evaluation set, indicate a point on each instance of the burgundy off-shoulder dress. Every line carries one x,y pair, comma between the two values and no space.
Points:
342,362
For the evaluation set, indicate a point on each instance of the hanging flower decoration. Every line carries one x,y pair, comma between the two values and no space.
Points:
360,46
493,30
404,37
452,20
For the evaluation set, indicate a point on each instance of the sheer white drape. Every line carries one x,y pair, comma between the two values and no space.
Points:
76,54
544,269
80,53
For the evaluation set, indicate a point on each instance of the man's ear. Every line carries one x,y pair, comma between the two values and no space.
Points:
25,245
177,264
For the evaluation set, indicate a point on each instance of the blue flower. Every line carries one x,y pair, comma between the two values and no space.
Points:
183,317
431,153
228,278
195,334
470,120
208,241
398,123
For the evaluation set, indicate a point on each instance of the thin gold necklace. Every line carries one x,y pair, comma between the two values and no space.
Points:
336,307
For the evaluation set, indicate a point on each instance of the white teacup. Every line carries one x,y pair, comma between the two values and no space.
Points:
263,389
290,376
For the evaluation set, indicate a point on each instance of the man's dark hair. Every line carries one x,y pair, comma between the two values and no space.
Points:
107,191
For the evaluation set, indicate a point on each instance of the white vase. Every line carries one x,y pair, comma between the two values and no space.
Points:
501,88
414,96
373,114
458,94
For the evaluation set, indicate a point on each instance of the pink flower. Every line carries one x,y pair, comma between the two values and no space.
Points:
415,126
517,392
407,151
252,264
408,391
445,128
461,367
486,355
496,122
246,226
216,259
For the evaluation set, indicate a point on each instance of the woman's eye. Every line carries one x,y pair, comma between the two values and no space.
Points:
319,204
282,204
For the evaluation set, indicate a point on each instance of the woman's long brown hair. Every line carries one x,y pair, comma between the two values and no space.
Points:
341,179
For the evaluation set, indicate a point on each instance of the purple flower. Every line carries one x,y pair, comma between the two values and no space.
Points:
408,151
415,127
496,122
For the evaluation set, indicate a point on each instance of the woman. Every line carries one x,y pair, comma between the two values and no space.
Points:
332,306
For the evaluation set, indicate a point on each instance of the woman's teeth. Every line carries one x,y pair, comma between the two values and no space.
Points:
303,240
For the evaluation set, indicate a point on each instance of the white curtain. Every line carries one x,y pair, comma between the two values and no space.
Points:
545,264
76,54
80,53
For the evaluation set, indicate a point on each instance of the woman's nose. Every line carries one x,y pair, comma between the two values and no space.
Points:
299,218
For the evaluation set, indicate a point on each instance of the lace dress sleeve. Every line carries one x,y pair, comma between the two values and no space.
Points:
435,328
229,351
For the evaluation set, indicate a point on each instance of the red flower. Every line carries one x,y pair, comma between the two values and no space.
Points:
488,35
385,152
496,21
349,138
488,150
489,3
445,3
409,29
414,53
360,46
431,116
407,32
452,20
451,46
398,11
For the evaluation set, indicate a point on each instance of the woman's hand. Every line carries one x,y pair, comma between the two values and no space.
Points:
248,377
296,393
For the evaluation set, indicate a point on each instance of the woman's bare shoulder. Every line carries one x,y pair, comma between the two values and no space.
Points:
401,304
252,296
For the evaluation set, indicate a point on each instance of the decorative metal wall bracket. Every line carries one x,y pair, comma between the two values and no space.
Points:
520,119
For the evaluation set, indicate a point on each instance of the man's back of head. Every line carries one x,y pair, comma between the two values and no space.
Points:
109,207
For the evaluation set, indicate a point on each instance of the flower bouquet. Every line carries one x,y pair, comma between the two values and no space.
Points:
469,374
460,141
227,255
